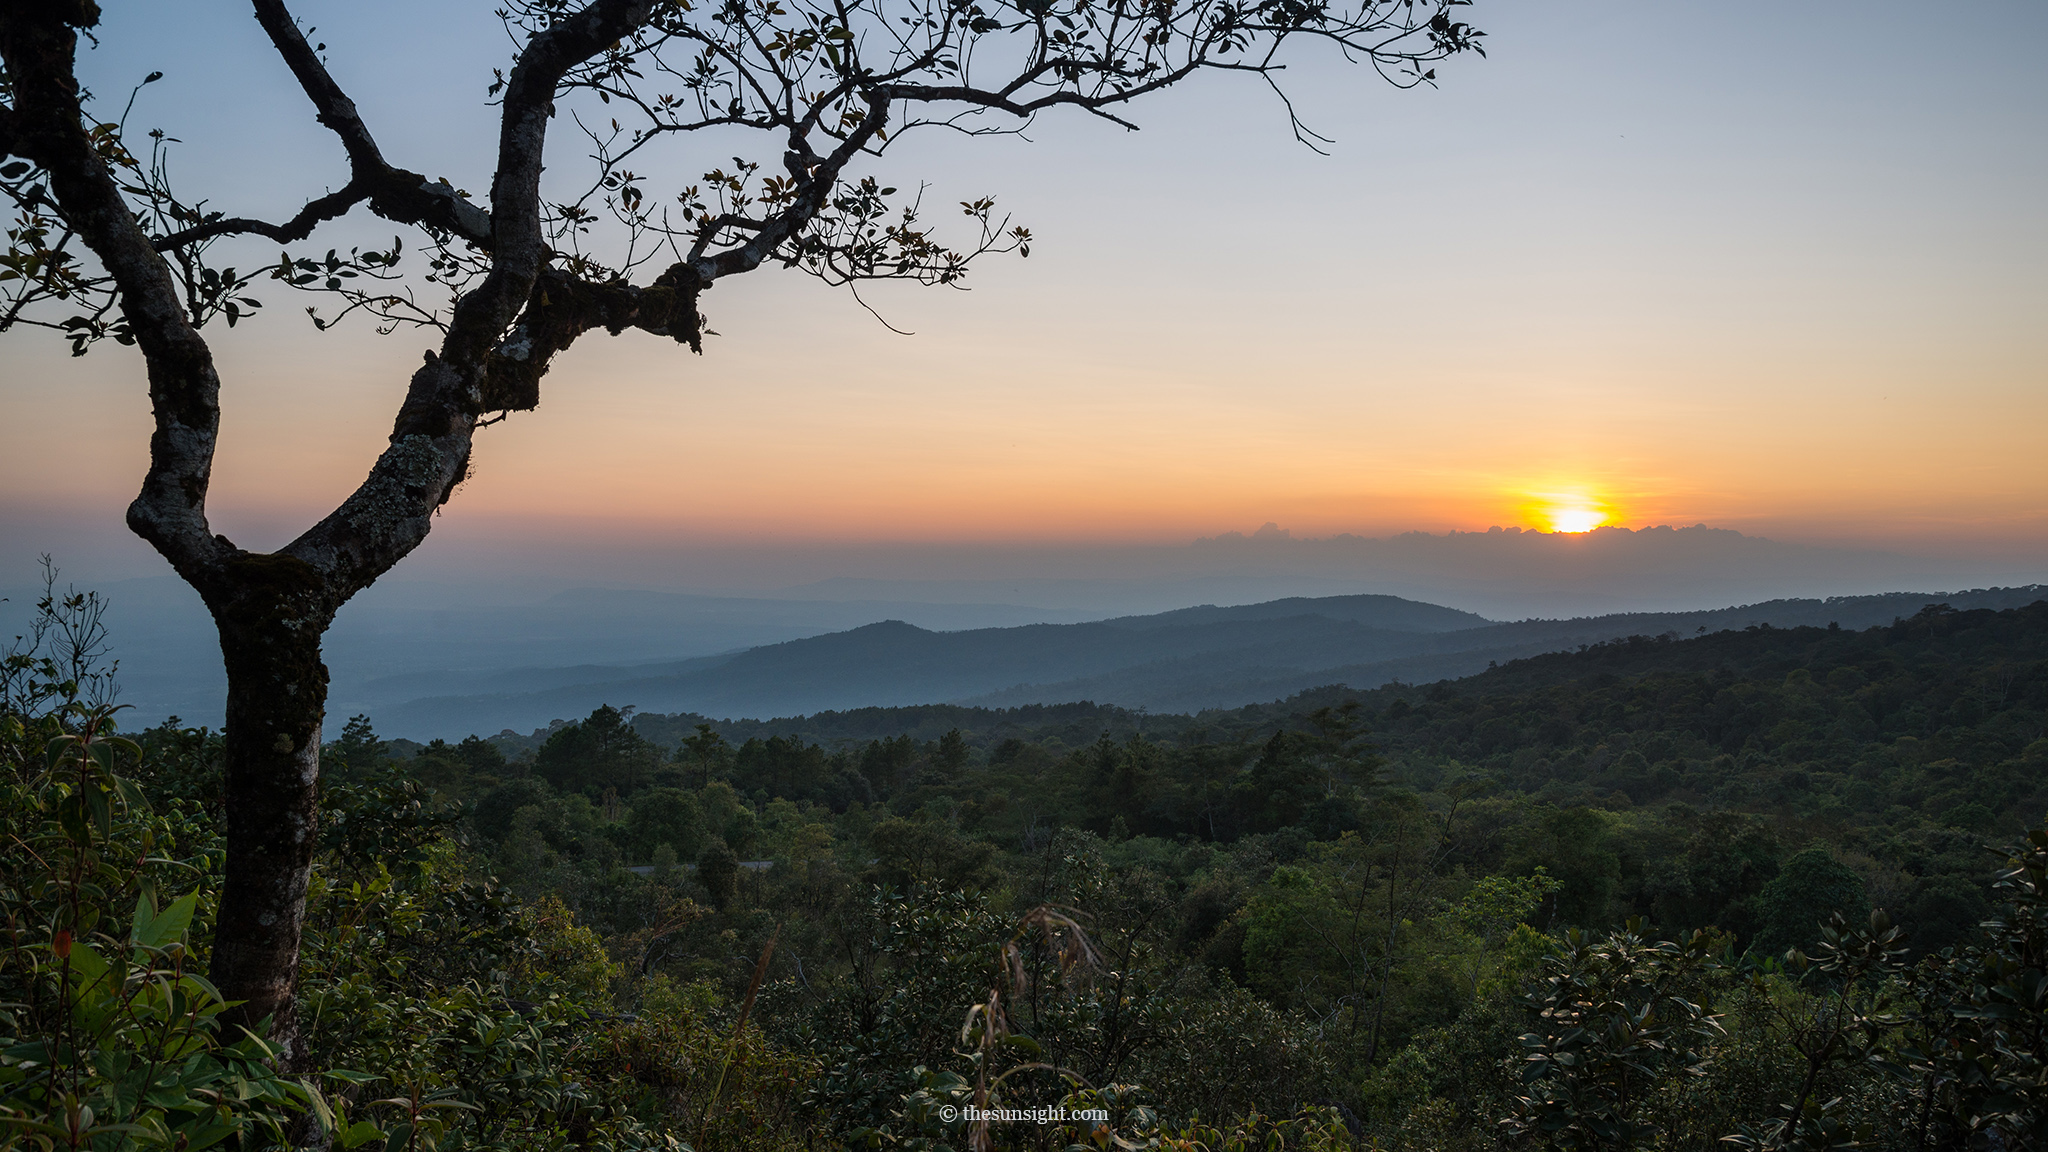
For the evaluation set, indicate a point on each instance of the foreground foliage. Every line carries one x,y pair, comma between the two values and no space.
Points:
110,1035
1385,966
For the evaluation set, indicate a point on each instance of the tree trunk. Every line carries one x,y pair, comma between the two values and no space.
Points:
271,613
271,610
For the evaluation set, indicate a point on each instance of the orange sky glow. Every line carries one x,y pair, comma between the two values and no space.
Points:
1790,285
634,439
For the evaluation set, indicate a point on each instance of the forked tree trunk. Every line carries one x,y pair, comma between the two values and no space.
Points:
270,616
272,609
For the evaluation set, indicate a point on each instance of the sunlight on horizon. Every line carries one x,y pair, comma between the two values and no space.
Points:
1570,512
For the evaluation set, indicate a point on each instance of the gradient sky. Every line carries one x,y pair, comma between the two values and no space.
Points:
1774,267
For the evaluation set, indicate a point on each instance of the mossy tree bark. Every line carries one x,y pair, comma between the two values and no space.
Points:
270,628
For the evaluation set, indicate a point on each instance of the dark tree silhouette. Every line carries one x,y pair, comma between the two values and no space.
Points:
101,247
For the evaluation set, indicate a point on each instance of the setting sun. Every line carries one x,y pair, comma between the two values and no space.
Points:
1575,519
1567,511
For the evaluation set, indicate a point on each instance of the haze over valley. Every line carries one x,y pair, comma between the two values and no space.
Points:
428,658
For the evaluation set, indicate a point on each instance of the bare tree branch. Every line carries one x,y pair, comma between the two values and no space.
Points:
394,193
564,307
328,207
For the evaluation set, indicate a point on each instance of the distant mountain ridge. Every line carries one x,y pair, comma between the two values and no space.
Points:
1182,661
1388,612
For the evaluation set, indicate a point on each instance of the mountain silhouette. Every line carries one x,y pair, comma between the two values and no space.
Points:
1183,660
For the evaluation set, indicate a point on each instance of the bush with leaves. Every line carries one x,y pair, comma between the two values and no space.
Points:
1617,1016
1838,1027
108,1030
1979,1048
915,961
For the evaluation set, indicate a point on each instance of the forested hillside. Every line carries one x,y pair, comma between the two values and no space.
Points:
1580,900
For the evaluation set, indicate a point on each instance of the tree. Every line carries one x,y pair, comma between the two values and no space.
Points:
1794,905
598,753
98,232
718,870
668,816
358,750
951,755
706,749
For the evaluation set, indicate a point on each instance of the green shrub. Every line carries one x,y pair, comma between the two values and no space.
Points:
109,1036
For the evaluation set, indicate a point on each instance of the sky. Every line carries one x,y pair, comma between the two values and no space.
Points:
1777,268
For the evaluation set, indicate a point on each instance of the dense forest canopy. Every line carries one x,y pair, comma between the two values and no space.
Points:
1767,885
1902,748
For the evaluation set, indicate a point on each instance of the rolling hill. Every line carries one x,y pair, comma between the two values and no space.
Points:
1179,661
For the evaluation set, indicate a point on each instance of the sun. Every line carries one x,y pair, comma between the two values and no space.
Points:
1568,511
1575,519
